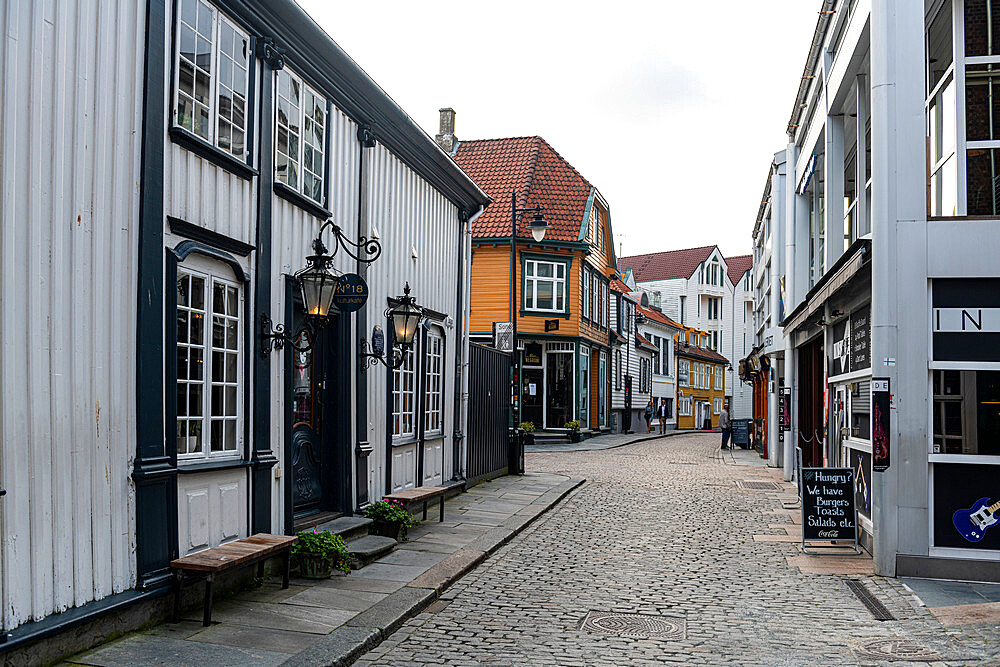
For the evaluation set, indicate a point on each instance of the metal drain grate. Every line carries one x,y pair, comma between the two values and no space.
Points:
894,649
758,486
877,609
640,626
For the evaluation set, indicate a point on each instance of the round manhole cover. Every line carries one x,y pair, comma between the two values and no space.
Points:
894,648
641,626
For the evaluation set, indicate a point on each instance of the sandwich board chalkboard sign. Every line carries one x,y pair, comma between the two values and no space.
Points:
828,510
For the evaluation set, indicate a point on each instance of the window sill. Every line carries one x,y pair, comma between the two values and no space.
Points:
216,156
544,313
410,440
300,200
210,466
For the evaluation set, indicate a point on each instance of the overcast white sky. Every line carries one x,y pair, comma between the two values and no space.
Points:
671,109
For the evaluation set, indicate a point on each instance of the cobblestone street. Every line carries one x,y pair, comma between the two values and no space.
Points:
662,529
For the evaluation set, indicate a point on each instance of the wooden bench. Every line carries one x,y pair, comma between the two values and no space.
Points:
420,494
254,549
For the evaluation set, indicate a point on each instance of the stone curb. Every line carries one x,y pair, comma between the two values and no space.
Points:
538,449
371,627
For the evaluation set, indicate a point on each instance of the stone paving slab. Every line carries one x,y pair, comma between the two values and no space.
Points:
152,650
600,442
243,636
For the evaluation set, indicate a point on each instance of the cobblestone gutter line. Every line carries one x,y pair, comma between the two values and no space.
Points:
369,628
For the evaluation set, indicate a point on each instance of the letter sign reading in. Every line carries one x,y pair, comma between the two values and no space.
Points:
965,319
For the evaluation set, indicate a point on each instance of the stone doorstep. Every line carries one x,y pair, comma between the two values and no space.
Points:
348,527
368,549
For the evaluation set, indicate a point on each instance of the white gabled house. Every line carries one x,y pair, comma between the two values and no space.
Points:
156,211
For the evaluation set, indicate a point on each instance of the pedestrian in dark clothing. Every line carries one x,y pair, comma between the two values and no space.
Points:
662,413
725,425
648,414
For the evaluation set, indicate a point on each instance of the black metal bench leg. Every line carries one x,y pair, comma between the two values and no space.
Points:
441,520
177,596
209,581
425,511
286,568
260,569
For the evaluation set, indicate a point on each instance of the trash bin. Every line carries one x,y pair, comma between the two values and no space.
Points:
515,452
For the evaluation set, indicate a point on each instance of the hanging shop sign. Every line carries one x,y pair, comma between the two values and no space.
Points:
785,409
861,338
351,294
965,319
828,505
533,354
840,362
880,424
966,506
551,325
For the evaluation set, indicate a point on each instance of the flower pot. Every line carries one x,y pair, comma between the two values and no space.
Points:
314,566
529,439
574,436
393,529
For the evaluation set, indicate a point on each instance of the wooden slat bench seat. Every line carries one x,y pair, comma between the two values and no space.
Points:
254,549
421,494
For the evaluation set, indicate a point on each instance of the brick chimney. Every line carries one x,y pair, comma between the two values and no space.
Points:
446,137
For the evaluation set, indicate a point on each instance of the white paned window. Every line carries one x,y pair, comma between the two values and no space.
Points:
300,147
586,294
682,372
604,305
544,286
718,377
209,405
404,398
717,407
433,367
211,65
596,296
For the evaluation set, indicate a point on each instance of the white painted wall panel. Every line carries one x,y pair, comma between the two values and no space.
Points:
69,165
213,509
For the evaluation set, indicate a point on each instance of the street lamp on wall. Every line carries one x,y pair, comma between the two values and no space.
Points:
317,285
405,315
538,226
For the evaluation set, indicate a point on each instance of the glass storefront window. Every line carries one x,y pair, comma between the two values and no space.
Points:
584,408
558,388
966,413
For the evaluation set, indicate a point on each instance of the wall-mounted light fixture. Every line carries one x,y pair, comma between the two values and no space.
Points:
405,315
317,284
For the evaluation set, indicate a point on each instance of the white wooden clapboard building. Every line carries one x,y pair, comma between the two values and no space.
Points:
166,166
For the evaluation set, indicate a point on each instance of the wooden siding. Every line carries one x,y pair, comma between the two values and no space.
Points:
69,164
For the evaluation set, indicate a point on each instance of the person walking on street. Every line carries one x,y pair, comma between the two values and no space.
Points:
661,412
725,425
648,414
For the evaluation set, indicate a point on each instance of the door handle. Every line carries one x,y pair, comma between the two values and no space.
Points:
3,492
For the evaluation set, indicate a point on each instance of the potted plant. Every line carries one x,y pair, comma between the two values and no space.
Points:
389,519
574,430
529,432
318,554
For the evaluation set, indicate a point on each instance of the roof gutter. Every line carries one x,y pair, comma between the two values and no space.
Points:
819,35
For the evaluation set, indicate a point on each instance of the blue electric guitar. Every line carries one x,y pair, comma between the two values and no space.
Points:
972,523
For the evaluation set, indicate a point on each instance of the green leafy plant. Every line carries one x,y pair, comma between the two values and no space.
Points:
323,544
390,511
572,425
528,427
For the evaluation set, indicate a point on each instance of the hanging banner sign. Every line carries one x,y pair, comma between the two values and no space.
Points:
880,424
785,409
860,339
351,294
828,509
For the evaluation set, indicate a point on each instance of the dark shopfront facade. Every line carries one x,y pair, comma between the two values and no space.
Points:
564,379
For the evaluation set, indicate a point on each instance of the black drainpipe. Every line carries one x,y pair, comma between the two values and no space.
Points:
458,436
362,448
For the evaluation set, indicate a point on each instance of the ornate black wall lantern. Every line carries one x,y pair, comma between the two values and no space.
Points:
318,285
405,315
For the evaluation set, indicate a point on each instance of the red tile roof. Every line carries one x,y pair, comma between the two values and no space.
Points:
656,316
640,341
663,265
700,352
738,265
540,176
618,286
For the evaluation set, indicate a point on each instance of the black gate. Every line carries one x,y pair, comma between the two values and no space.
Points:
489,411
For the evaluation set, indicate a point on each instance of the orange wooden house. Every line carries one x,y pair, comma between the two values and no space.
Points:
562,283
700,380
